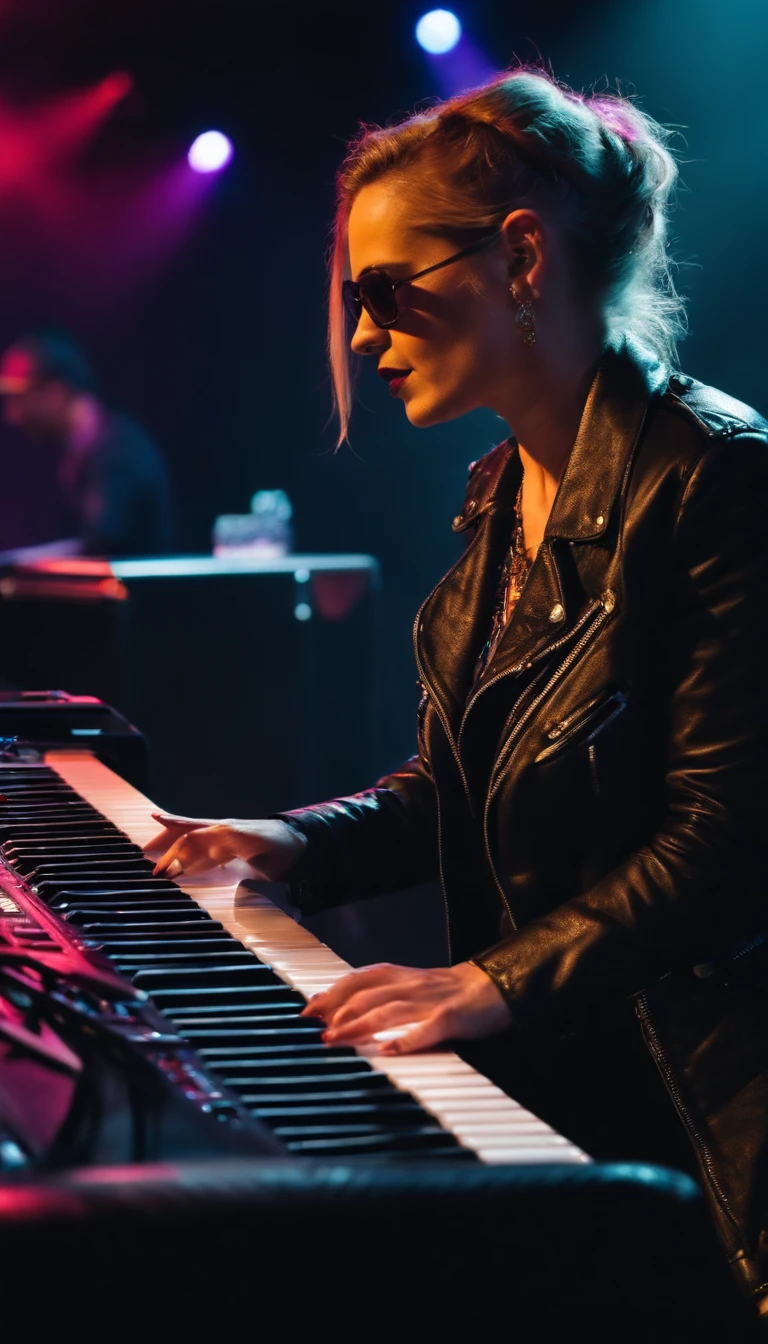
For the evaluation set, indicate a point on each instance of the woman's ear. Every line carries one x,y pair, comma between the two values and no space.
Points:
522,234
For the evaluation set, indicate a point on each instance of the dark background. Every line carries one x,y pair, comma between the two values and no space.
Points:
204,312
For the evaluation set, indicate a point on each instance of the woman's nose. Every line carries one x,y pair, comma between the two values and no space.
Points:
368,339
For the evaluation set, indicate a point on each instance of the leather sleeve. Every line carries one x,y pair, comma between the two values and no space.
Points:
672,900
380,840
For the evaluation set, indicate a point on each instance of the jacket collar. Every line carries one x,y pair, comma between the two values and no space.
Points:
626,379
455,619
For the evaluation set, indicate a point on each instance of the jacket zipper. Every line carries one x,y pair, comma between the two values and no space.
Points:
544,653
449,736
665,1068
601,608
601,713
746,948
426,686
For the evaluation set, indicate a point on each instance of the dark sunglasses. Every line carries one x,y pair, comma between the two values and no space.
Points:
375,291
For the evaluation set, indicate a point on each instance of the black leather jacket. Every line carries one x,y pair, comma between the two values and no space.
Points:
596,807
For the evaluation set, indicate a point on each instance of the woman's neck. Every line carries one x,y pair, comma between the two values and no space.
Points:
544,411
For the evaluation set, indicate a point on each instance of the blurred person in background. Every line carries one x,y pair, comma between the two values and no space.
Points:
113,480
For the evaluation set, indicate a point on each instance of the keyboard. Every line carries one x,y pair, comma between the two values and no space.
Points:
229,971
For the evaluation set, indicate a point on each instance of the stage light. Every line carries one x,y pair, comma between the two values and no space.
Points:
438,31
210,152
116,86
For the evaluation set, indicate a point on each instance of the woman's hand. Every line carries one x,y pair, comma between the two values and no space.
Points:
450,1003
192,845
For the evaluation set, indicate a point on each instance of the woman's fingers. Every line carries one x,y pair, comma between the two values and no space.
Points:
328,1002
170,864
195,852
432,1006
364,1001
363,1026
423,1035
173,826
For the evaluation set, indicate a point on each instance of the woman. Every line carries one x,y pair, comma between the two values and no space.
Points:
590,777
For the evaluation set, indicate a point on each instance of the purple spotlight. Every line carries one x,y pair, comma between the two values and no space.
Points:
210,152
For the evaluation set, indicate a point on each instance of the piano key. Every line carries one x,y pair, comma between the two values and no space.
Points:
249,973
230,1054
98,888
255,1070
211,997
322,1101
268,1012
124,916
124,947
390,1112
422,1143
200,959
310,1084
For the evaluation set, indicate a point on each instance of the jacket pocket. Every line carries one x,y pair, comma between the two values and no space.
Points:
585,723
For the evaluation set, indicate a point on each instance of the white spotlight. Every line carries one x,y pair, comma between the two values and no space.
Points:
438,31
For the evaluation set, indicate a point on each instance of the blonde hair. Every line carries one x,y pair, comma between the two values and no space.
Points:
595,164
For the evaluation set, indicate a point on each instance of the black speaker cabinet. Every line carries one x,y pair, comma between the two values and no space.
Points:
60,627
251,680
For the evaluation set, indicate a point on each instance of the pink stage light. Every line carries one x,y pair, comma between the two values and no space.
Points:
210,152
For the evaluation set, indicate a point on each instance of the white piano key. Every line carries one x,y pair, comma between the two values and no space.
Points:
467,1104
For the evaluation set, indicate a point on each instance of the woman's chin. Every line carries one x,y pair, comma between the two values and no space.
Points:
422,415
426,407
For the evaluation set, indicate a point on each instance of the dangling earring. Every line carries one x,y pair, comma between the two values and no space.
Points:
524,318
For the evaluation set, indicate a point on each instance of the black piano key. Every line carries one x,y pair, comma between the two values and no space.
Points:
201,949
232,1055
255,1069
421,1142
256,1074
71,848
326,1102
98,888
164,905
400,1112
89,879
180,961
50,813
183,1021
40,831
14,793
249,974
261,1033
215,997
127,900
94,918
36,867
358,1083
136,924
95,843
25,860
123,945
340,1132
106,869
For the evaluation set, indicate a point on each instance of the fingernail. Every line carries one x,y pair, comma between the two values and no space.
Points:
328,1037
